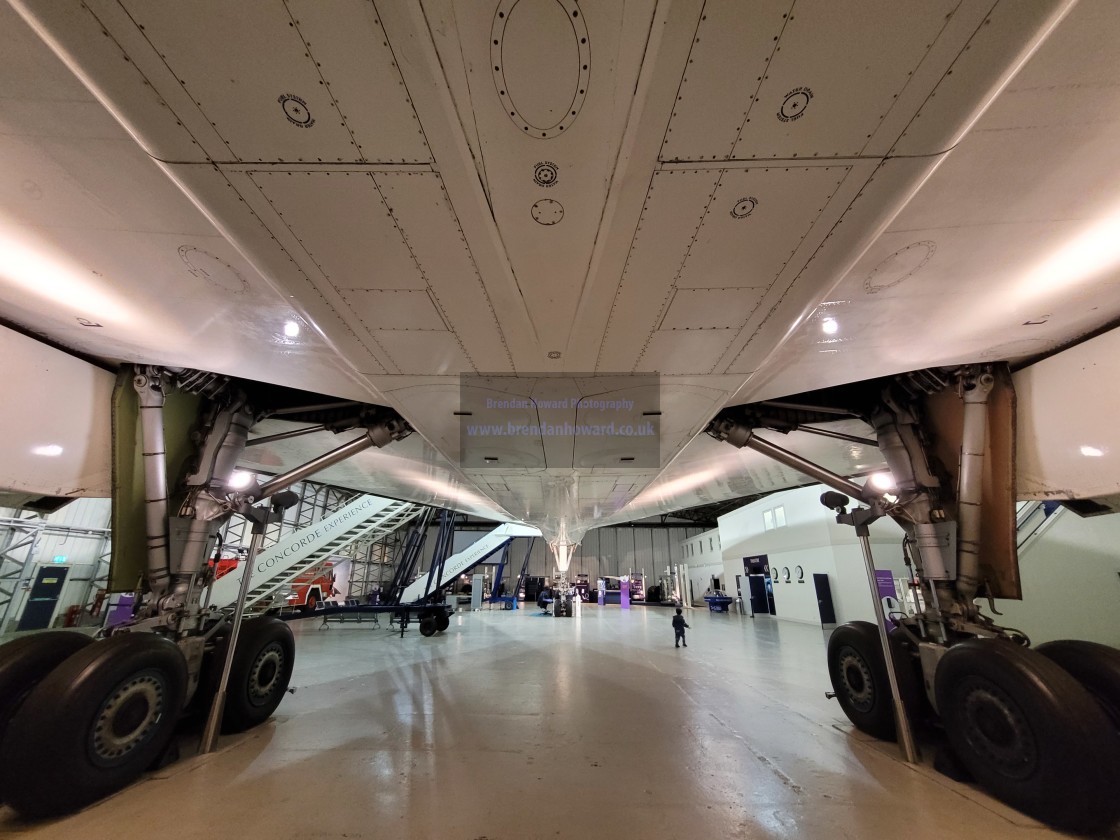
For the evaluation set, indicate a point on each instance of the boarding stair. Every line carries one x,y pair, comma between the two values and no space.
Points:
1032,519
465,560
366,517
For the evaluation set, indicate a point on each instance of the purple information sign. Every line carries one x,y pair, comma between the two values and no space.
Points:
122,610
884,582
624,594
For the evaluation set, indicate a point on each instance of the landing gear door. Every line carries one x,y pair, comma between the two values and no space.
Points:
999,561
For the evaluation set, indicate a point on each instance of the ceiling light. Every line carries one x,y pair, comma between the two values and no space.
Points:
291,329
240,479
1091,452
50,451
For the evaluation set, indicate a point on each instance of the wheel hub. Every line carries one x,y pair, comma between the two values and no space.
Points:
998,730
127,718
264,676
857,679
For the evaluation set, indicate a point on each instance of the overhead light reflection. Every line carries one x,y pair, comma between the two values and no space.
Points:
50,451
829,326
1081,259
291,329
34,269
1091,452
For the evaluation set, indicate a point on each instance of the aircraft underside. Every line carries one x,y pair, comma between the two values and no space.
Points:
297,237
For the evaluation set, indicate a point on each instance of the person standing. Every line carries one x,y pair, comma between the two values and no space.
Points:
679,625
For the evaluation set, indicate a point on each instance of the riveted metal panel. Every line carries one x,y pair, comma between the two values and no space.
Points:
342,221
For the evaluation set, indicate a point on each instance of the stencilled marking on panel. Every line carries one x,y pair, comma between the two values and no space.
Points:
794,105
744,207
728,253
385,129
296,110
239,99
727,64
294,81
732,252
546,174
836,72
540,57
684,262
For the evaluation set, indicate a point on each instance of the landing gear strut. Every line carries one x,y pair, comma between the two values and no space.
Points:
80,719
1039,729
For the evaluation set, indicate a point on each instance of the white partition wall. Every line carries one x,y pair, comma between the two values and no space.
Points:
804,534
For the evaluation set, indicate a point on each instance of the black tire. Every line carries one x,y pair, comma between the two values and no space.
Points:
261,671
93,725
428,625
25,662
1030,734
858,672
443,621
1095,666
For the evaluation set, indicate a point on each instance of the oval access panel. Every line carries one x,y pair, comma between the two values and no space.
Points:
901,265
540,58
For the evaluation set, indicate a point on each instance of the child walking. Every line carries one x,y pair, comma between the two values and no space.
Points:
678,629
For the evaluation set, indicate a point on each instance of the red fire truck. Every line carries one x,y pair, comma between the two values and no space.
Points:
312,587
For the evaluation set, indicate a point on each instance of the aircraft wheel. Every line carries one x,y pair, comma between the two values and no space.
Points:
858,672
25,662
1097,667
443,621
261,671
1030,734
94,724
428,626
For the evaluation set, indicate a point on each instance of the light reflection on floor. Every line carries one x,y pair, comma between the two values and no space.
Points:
514,725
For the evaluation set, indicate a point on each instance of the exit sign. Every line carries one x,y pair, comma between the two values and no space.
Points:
59,558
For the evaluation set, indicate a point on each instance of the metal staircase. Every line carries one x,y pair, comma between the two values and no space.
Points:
367,518
1032,520
467,559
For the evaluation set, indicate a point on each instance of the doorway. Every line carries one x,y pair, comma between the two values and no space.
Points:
43,598
824,599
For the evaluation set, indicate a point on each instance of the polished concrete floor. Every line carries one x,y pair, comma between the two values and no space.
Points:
514,725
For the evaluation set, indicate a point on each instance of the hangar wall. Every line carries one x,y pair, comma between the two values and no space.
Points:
809,537
1071,582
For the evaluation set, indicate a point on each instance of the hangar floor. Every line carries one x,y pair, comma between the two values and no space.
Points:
512,725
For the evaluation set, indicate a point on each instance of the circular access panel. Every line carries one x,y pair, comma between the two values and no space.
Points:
901,265
540,58
212,269
547,212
